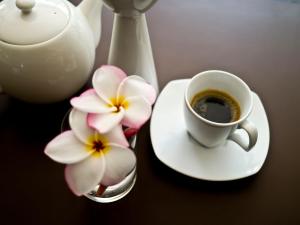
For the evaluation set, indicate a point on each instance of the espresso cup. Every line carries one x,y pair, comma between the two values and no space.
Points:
211,133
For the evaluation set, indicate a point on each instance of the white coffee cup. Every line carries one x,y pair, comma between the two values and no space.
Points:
212,134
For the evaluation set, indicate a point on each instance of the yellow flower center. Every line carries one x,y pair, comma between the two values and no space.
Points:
97,144
119,103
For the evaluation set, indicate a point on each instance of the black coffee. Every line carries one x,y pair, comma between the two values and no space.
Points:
216,106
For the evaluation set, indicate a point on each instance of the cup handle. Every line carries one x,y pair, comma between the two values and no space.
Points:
251,130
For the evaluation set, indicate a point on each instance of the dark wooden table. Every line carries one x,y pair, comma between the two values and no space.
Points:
259,40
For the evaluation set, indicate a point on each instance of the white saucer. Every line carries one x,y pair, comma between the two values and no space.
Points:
175,148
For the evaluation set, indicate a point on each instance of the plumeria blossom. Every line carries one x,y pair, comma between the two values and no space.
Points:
116,99
92,158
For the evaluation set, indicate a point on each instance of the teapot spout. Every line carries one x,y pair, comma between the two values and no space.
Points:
92,9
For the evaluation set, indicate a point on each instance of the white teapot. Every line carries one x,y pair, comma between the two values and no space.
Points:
47,47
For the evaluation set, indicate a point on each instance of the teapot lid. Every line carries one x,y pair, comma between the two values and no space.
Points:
28,22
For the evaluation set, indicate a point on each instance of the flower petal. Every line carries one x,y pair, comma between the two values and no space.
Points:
82,177
129,132
103,123
137,112
66,148
78,123
106,81
88,92
90,102
120,162
117,136
136,86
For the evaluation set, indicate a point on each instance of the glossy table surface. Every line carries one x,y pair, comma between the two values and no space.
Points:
254,39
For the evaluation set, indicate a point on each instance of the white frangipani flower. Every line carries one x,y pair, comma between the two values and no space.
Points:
92,158
116,99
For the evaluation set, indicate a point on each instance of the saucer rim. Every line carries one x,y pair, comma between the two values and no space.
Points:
206,178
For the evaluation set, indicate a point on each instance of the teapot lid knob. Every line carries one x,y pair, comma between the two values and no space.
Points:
26,17
25,5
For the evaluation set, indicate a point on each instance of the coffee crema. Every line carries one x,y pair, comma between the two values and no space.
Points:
216,106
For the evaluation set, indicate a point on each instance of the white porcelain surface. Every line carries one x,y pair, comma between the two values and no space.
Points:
176,149
129,5
212,134
130,47
54,69
48,17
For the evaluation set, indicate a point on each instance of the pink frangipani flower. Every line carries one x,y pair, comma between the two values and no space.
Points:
116,99
92,158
